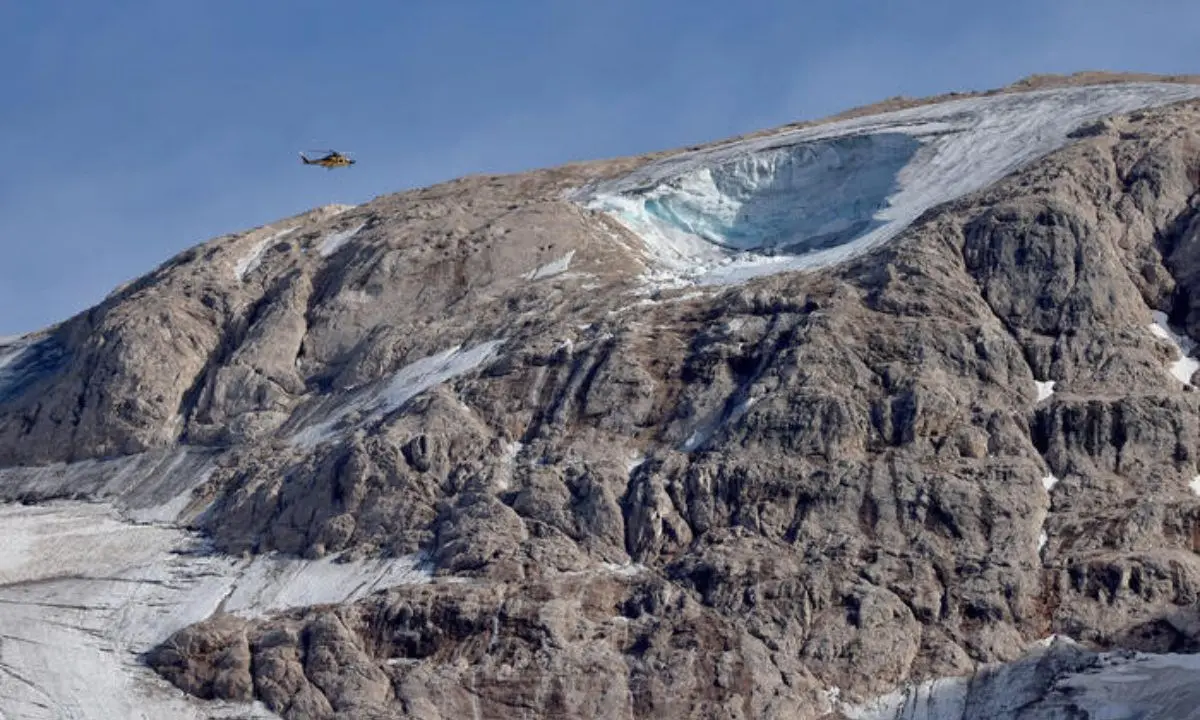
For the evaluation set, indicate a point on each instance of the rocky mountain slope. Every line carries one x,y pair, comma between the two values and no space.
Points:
847,419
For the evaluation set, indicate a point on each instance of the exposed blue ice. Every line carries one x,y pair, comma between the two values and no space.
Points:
810,197
787,200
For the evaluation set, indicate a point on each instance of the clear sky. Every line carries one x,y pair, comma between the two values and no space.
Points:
132,129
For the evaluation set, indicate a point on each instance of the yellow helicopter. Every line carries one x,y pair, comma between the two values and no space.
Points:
332,159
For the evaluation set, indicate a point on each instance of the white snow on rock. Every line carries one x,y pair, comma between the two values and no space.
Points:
1048,483
557,267
1195,485
1187,364
1044,389
376,401
508,466
334,241
10,347
631,569
1053,638
721,417
815,196
275,582
251,260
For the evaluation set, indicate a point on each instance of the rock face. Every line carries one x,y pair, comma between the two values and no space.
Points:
781,498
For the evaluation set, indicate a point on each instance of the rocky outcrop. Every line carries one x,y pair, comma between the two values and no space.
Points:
602,644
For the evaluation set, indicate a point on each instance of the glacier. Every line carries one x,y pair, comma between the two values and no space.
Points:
1057,679
90,583
815,196
1187,364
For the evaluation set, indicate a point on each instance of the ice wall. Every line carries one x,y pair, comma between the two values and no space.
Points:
787,200
812,197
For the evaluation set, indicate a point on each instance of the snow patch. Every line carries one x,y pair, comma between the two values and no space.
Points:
276,582
1053,638
1195,485
722,417
508,463
251,260
626,570
1187,364
557,267
811,197
10,348
1049,482
1044,389
374,403
334,242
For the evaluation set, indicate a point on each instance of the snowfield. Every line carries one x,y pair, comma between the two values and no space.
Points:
251,260
376,401
83,593
812,197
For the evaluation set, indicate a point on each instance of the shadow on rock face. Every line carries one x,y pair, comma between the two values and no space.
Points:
22,366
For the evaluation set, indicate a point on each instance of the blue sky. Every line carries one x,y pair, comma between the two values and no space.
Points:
136,128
